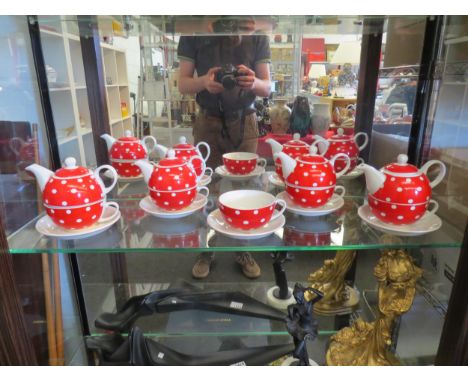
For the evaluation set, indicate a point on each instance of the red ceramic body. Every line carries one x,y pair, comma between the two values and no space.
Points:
342,143
186,151
73,197
173,200
186,240
76,217
397,213
294,149
310,198
299,238
123,153
312,182
404,195
173,183
238,208
240,163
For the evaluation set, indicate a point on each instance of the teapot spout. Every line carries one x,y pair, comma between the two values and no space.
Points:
374,178
287,163
109,140
161,150
42,174
146,168
275,146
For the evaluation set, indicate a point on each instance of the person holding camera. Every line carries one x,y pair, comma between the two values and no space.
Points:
231,70
227,72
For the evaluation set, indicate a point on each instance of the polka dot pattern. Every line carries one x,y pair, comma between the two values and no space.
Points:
72,191
405,189
125,169
127,148
316,172
77,217
343,144
310,198
240,167
247,219
390,212
173,200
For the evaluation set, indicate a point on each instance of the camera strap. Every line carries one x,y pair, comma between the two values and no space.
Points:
225,131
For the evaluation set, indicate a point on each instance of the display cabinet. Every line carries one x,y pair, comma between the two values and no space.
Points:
380,297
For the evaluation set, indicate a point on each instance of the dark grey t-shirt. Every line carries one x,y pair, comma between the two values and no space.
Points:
208,52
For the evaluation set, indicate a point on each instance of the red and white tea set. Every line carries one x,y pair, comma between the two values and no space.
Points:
399,195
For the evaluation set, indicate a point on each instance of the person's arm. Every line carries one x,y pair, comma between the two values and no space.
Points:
188,84
257,81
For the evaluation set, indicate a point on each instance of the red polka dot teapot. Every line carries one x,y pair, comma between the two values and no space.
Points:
341,143
187,151
311,179
400,193
294,148
74,197
172,182
126,150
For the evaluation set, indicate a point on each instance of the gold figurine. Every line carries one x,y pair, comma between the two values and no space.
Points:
366,343
338,298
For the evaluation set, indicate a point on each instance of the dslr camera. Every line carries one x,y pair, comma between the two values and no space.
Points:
227,76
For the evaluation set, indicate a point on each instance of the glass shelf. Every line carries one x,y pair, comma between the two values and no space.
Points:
138,232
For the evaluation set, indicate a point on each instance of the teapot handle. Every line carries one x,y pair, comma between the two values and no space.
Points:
114,176
145,145
208,150
320,142
364,144
190,163
348,163
441,174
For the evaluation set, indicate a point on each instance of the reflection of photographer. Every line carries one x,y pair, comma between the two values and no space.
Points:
232,68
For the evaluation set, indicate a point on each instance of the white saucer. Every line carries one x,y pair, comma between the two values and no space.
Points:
334,204
216,221
47,227
221,171
274,179
205,180
147,205
428,223
357,172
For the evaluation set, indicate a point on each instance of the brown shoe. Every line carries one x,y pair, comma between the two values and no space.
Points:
250,267
201,268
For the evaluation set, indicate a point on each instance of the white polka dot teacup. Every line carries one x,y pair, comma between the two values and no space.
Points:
74,197
242,163
249,209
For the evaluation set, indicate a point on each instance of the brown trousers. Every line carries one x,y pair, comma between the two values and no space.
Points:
208,128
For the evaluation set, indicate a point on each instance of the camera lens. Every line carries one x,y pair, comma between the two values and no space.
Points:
229,82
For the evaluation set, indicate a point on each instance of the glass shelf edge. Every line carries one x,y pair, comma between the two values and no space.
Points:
19,251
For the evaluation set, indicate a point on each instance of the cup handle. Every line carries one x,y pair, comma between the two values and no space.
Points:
145,145
200,189
348,163
208,170
341,189
360,161
366,140
208,150
261,162
114,176
277,213
107,204
441,174
435,208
